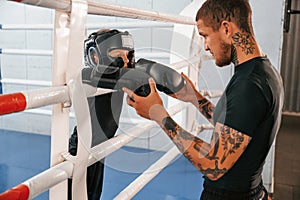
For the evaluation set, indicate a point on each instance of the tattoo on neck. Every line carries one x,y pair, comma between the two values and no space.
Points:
244,41
234,57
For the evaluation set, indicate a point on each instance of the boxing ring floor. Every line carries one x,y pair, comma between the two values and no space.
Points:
23,155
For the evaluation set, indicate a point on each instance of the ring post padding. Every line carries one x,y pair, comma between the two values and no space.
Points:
78,98
60,115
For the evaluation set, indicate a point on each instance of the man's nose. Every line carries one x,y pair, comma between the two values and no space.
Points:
126,61
206,48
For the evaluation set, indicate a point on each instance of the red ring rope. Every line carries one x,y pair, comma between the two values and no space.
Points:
20,192
10,103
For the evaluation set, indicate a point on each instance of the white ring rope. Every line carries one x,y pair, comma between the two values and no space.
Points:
135,186
53,175
25,82
110,9
115,25
39,52
32,52
26,27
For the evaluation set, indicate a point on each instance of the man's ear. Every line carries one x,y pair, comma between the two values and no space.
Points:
226,28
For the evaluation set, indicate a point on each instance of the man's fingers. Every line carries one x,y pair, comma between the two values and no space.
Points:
187,79
129,101
152,84
130,93
184,75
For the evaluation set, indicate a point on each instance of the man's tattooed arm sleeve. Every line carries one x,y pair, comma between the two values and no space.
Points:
213,159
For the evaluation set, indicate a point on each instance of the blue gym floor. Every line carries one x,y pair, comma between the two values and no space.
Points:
23,155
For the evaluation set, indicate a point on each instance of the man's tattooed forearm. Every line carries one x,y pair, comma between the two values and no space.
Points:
206,108
214,172
189,157
183,140
201,148
215,141
174,131
231,141
213,159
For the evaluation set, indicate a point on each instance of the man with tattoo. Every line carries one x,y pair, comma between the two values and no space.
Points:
247,116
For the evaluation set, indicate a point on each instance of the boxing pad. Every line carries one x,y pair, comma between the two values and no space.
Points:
116,78
167,79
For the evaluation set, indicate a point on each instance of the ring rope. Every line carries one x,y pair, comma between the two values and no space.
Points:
117,25
110,9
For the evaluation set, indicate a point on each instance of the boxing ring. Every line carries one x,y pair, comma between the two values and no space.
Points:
67,90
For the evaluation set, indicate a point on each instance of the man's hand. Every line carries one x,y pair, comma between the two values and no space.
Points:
150,107
188,93
167,80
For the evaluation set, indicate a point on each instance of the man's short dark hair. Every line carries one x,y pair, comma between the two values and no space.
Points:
213,12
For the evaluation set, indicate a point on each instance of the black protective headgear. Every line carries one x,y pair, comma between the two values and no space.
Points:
101,43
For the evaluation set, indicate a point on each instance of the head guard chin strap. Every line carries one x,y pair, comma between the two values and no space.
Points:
101,43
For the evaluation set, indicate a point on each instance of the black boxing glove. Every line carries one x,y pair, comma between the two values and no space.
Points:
167,79
115,78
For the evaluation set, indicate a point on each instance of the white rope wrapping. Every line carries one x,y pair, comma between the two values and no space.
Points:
56,174
47,96
79,100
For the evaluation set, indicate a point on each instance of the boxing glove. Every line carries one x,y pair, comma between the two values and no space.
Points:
115,78
167,79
